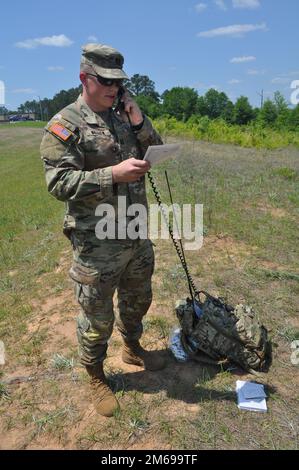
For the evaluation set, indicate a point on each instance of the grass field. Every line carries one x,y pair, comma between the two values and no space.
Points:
250,253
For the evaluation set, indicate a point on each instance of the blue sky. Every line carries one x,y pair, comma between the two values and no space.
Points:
236,46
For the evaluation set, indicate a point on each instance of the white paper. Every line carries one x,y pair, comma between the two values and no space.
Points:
253,390
158,153
246,389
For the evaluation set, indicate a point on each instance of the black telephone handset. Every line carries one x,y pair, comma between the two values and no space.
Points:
120,104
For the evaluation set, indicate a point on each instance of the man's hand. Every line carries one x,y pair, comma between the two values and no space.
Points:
132,108
129,170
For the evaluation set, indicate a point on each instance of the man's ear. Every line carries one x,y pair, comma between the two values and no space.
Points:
83,77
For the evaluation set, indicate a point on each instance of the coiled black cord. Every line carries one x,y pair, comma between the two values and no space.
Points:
192,288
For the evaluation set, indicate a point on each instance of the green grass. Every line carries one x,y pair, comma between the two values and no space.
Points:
60,362
221,132
54,420
4,394
240,195
17,124
30,227
250,253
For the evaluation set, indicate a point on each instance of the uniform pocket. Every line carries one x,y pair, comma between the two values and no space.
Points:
84,274
90,298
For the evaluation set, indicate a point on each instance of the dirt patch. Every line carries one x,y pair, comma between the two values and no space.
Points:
274,211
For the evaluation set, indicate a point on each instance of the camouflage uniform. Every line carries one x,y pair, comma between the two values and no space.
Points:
78,160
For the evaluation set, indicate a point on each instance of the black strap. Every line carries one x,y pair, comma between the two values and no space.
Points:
179,249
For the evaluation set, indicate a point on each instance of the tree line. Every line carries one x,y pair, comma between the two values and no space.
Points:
184,104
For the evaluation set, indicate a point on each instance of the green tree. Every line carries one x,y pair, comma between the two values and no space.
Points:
29,107
3,110
283,111
294,119
268,113
201,107
243,112
142,85
63,98
228,112
149,106
280,103
180,102
215,103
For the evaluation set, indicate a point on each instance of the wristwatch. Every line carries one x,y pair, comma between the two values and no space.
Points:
139,126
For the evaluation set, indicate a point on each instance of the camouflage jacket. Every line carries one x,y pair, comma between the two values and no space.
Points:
79,148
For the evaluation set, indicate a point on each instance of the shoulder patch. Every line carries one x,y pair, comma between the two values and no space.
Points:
60,131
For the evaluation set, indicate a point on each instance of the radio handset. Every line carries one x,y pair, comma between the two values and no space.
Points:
120,104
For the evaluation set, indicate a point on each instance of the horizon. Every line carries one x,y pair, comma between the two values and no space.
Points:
252,44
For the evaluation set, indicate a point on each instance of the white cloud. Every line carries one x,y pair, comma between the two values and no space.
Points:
280,81
56,41
55,68
240,60
92,38
234,81
236,30
251,4
256,72
200,7
27,91
220,4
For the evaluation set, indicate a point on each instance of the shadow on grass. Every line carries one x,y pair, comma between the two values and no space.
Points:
189,382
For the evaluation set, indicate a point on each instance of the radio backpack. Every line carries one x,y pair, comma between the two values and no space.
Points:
224,332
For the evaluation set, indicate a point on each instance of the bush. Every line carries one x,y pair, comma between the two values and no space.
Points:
218,130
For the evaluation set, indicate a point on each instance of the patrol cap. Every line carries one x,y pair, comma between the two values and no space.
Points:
105,60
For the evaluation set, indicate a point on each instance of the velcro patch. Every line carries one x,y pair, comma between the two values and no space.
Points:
61,131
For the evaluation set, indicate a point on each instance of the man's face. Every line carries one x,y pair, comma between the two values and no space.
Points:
100,97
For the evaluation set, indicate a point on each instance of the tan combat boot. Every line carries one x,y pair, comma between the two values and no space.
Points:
133,353
103,398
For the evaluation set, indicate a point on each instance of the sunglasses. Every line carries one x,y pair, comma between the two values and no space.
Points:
108,81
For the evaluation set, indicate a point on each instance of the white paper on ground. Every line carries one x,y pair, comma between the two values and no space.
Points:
246,401
253,390
158,153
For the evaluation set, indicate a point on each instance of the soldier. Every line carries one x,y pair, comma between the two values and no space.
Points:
92,154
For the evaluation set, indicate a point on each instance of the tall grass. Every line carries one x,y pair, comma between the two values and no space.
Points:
219,131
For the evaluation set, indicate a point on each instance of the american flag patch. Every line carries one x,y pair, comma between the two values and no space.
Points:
60,131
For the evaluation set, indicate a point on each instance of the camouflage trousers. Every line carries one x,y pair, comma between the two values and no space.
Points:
98,271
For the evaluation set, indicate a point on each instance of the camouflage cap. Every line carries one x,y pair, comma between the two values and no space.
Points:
105,60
